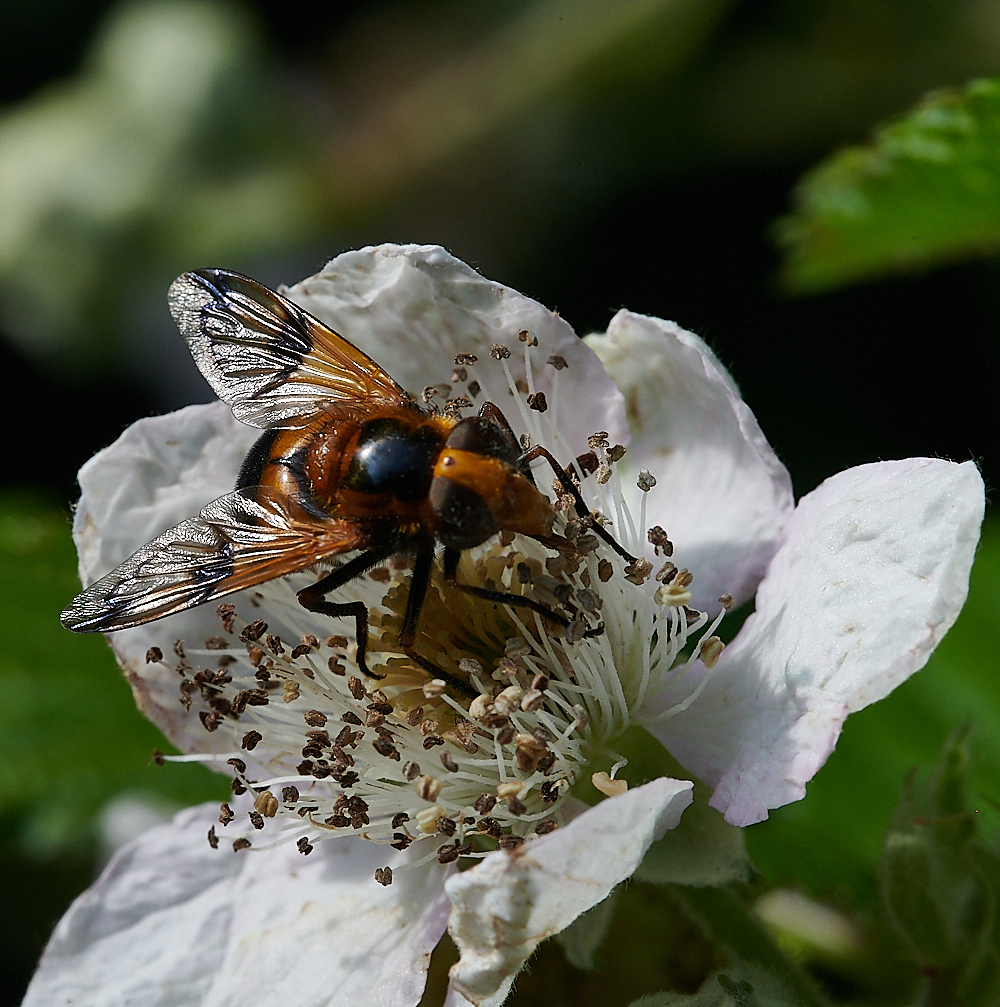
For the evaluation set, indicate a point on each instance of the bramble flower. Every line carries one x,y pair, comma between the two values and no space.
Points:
254,902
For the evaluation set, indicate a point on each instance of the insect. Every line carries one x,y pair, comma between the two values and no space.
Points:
347,461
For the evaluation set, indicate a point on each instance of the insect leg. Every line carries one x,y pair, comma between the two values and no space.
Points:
313,598
419,582
581,507
451,558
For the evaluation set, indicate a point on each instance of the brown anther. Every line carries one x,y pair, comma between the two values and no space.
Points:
266,803
336,641
470,666
498,352
274,645
448,853
380,575
605,571
401,841
638,571
532,700
510,842
446,826
506,734
465,359
576,631
428,788
179,649
251,740
666,572
290,691
314,718
543,828
727,601
157,757
549,791
458,402
646,480
289,794
305,768
380,703
386,748
598,441
657,537
255,819
256,655
227,613
589,600
383,875
587,463
429,392
464,729
304,846
241,844
540,682
257,697
537,402
485,803
546,763
474,388
506,668
459,375
415,716
210,721
449,763
154,655
429,726
411,770
253,632
431,740
515,805
225,814
399,819
356,686
617,453
351,718
558,362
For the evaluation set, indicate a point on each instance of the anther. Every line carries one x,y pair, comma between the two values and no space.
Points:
154,655
646,480
290,691
558,362
537,402
498,352
428,788
727,601
251,739
383,875
304,846
225,814
411,770
356,686
314,718
612,788
255,819
432,689
638,571
227,614
465,359
241,844
290,794
710,651
213,839
426,820
266,804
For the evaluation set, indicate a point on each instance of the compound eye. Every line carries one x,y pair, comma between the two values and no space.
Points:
463,518
483,437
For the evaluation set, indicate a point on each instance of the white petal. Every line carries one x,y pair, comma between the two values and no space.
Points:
721,495
503,907
172,922
874,572
413,307
160,471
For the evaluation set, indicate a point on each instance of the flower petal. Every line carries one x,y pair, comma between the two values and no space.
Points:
173,922
721,493
413,307
503,907
873,573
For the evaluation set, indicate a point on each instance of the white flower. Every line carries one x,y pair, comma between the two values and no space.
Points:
856,586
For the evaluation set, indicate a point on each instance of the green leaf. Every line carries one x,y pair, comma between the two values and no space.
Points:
926,191
72,737
742,986
581,939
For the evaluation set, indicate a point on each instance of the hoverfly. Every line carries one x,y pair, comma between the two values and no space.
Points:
348,461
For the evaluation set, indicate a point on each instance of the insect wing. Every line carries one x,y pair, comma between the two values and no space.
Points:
271,361
239,540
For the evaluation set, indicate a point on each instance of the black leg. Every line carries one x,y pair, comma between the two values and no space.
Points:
451,558
581,507
419,582
313,597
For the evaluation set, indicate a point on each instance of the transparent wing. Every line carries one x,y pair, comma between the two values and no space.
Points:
271,361
239,540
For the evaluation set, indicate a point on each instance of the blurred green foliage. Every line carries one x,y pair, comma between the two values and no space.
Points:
926,191
72,736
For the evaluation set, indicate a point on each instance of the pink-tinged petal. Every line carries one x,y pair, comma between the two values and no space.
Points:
159,472
721,495
172,922
413,307
874,571
502,908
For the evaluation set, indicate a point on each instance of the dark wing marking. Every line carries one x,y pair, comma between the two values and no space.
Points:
239,540
271,361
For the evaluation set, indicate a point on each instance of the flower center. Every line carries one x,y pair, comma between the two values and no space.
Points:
405,760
